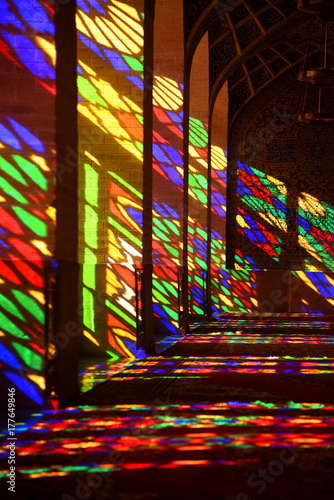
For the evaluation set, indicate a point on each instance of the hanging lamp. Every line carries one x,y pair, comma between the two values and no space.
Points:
323,9
322,78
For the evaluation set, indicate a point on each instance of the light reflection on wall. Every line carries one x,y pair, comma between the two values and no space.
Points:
110,105
262,214
276,235
27,156
167,152
315,232
235,290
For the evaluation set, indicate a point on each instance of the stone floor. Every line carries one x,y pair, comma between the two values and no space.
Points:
240,409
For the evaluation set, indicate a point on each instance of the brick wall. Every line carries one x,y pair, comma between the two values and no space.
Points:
198,176
110,85
167,162
27,170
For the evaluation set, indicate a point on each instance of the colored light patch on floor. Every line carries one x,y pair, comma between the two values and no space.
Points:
196,367
93,374
247,323
256,338
82,439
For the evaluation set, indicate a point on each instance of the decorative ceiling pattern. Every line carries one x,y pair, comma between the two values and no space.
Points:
248,25
251,44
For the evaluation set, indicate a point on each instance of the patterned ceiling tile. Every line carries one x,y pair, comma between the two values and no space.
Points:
270,17
238,14
247,33
260,76
288,7
220,55
252,63
282,47
293,55
217,28
236,76
277,65
268,54
312,27
237,96
192,9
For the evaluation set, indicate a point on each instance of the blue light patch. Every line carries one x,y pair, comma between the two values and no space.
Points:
174,117
171,211
116,60
96,6
174,175
173,154
135,215
30,55
26,387
83,6
8,17
36,17
9,358
160,312
136,81
159,155
8,138
27,136
159,209
91,45
169,326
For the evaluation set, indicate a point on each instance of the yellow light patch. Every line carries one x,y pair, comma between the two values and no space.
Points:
218,158
42,247
167,94
130,11
88,70
95,31
310,204
280,186
40,161
225,300
47,47
112,279
124,333
131,148
277,221
254,301
90,337
124,348
308,247
38,380
39,296
91,157
123,37
133,105
80,25
82,108
241,222
129,203
52,213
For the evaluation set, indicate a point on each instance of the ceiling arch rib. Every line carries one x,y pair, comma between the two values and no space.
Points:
252,42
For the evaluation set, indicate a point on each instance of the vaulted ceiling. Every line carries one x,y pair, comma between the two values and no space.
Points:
252,42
